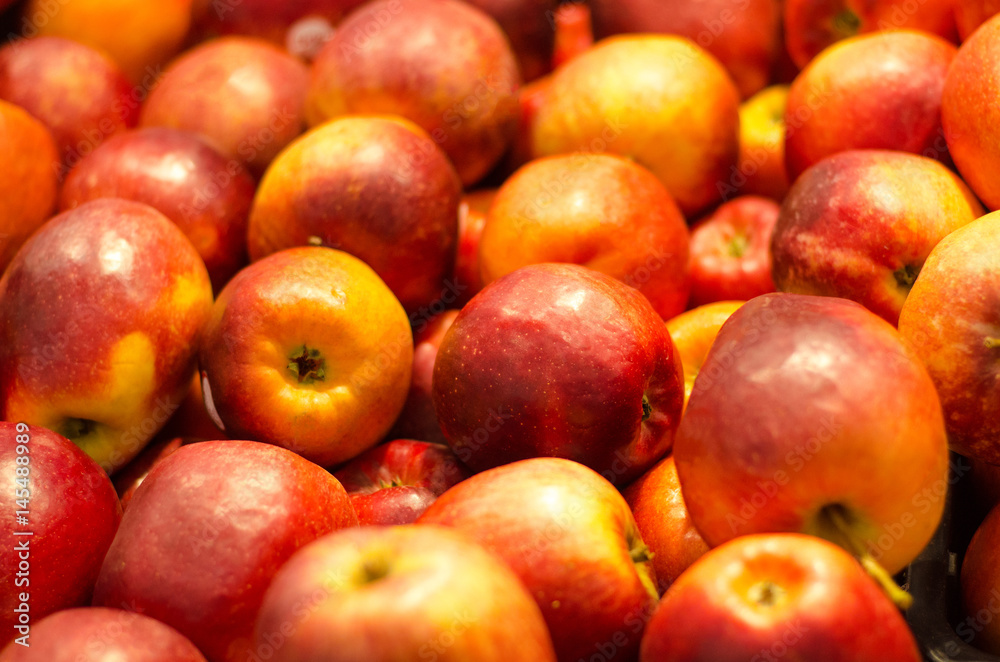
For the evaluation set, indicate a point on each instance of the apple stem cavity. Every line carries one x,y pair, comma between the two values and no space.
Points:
77,428
766,593
906,275
308,365
374,569
647,409
847,23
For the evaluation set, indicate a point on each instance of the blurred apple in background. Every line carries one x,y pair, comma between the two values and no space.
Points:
307,349
761,166
773,595
183,178
952,320
30,185
383,594
138,35
859,225
876,91
574,32
796,394
72,515
663,520
471,221
244,507
461,91
531,26
376,187
98,634
532,367
530,99
970,14
244,95
273,20
693,333
742,34
101,315
631,96
980,584
731,251
569,536
598,210
79,93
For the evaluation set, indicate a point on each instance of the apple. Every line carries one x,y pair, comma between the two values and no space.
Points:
178,174
970,122
139,36
813,25
98,634
797,395
859,224
529,98
970,14
658,506
28,191
874,91
761,165
569,536
775,595
693,333
443,64
128,480
273,20
574,32
631,95
244,95
557,360
599,210
731,251
953,324
531,28
309,350
418,420
395,482
980,586
742,34
101,313
51,558
206,532
471,221
79,93
376,187
382,594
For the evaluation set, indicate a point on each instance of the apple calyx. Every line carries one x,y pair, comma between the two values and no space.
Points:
77,428
847,23
766,593
647,409
308,365
738,245
906,275
833,525
374,568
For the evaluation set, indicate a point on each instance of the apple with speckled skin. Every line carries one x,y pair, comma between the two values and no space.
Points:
101,314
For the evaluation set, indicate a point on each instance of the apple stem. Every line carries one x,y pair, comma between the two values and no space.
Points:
992,343
641,554
857,547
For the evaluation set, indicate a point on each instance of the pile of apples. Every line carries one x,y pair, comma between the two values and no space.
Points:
492,330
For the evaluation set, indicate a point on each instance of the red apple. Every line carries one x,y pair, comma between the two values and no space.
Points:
557,360
177,174
395,482
765,597
796,395
101,313
980,583
207,530
70,512
471,221
97,634
731,251
569,536
383,594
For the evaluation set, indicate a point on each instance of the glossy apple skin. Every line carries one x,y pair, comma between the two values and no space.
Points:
28,191
731,251
814,387
821,600
693,333
663,520
246,505
761,166
244,95
139,36
859,225
462,92
598,210
813,25
375,187
418,419
343,593
79,93
629,95
874,91
528,24
471,221
970,14
970,123
73,514
395,482
742,34
533,367
571,539
98,634
178,174
120,298
953,324
295,302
